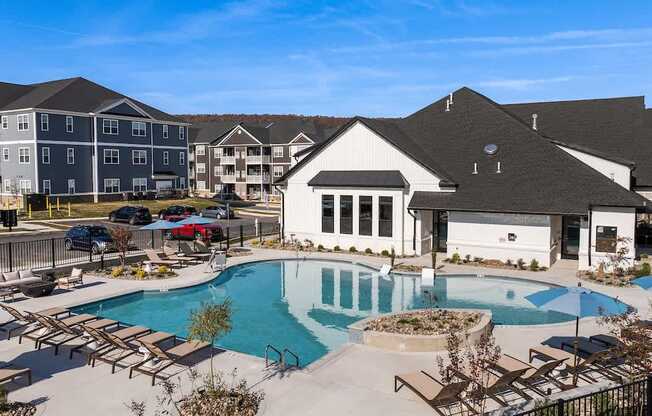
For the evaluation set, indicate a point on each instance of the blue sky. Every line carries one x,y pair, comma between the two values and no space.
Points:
373,58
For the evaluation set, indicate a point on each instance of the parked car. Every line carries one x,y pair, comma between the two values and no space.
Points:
95,238
206,232
131,214
216,211
176,211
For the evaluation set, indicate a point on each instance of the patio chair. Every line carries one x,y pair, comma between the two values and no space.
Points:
533,376
171,254
69,333
385,269
432,391
156,260
121,349
76,278
25,319
217,261
188,251
201,249
496,385
598,362
10,374
47,328
166,358
98,342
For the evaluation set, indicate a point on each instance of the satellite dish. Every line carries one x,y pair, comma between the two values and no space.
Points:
491,149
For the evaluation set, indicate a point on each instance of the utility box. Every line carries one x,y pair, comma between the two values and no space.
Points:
9,218
37,201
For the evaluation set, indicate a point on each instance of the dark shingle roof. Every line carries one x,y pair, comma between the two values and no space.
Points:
359,179
72,94
207,132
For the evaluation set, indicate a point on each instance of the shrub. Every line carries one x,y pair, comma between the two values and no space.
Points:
534,265
467,258
117,271
455,258
520,264
368,251
384,253
352,249
644,270
255,243
320,248
336,248
644,256
163,269
139,273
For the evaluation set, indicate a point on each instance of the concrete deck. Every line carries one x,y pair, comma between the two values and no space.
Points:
354,380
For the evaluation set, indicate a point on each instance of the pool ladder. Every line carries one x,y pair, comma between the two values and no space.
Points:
282,357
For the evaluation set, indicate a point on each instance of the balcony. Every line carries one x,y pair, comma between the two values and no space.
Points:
257,160
258,178
227,160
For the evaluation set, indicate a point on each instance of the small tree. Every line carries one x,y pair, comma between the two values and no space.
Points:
632,335
121,237
209,323
619,260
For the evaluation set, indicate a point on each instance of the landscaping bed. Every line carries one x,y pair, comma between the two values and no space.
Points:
425,322
136,272
309,247
519,264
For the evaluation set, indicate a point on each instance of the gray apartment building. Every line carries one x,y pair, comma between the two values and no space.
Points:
246,158
79,140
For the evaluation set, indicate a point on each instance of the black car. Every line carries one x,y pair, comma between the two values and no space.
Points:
176,211
95,238
132,215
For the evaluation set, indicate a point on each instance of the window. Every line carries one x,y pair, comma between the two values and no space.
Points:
166,131
278,151
70,126
385,216
70,155
217,152
166,158
182,182
138,128
201,185
139,184
110,126
182,159
5,122
5,154
45,155
7,186
47,189
23,155
45,122
111,157
278,171
23,122
201,150
217,170
71,186
606,239
139,157
201,168
111,185
346,214
327,213
25,186
182,133
365,216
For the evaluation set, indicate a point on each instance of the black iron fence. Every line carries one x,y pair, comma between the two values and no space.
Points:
625,400
53,252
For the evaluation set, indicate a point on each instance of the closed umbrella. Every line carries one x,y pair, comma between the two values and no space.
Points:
579,302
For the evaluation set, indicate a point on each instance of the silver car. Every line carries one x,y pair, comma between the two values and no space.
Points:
216,211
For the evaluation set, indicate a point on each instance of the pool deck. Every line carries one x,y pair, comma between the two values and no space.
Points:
354,380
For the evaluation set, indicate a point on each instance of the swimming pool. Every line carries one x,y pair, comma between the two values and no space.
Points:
306,305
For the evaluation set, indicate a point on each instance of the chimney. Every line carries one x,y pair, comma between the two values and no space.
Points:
498,168
475,168
448,105
450,98
534,121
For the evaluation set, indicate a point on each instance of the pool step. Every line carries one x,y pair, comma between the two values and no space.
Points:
282,357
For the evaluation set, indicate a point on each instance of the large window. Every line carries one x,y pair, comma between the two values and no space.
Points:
5,154
70,124
5,122
23,155
182,158
7,187
201,168
278,171
139,157
71,186
365,222
110,126
47,187
139,184
327,213
45,122
166,158
111,185
45,155
23,122
111,156
166,131
201,185
606,239
25,186
217,170
201,150
278,151
385,216
182,133
138,128
346,214
70,155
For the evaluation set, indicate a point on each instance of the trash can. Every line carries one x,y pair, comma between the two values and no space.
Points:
37,201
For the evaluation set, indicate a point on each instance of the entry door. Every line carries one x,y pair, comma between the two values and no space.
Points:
441,227
570,243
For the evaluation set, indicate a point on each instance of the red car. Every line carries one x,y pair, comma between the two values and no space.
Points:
206,232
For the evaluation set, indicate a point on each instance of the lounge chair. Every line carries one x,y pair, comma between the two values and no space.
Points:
432,391
121,349
385,269
76,278
10,374
69,333
201,248
98,341
47,328
533,376
171,254
156,260
217,261
598,362
188,251
496,385
25,319
165,358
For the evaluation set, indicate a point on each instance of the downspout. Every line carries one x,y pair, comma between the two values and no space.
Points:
414,232
282,212
589,257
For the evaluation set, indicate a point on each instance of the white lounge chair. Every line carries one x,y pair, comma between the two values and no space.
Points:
427,276
385,269
217,262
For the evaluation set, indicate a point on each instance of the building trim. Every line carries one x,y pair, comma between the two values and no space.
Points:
129,103
91,114
300,135
233,132
36,160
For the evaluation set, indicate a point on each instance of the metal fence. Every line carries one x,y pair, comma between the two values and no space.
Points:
51,253
625,400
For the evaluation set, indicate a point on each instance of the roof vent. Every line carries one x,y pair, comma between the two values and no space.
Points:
475,168
448,105
534,121
491,149
498,170
239,131
450,98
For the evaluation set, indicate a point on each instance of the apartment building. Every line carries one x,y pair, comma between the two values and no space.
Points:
79,140
246,158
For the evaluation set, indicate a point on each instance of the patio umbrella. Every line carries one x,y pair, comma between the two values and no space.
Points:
161,225
195,220
644,282
579,302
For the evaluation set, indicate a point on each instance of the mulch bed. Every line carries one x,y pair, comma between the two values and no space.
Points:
425,322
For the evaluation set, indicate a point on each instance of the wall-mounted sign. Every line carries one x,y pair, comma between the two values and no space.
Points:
511,237
606,239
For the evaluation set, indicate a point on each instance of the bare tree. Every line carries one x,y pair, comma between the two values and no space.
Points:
121,237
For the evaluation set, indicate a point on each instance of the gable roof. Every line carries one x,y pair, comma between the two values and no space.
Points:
359,179
72,94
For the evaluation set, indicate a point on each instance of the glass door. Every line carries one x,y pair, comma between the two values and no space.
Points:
570,243
441,219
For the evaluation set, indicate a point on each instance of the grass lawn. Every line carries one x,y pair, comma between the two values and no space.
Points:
102,209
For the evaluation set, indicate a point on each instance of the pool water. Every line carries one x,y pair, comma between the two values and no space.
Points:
306,305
